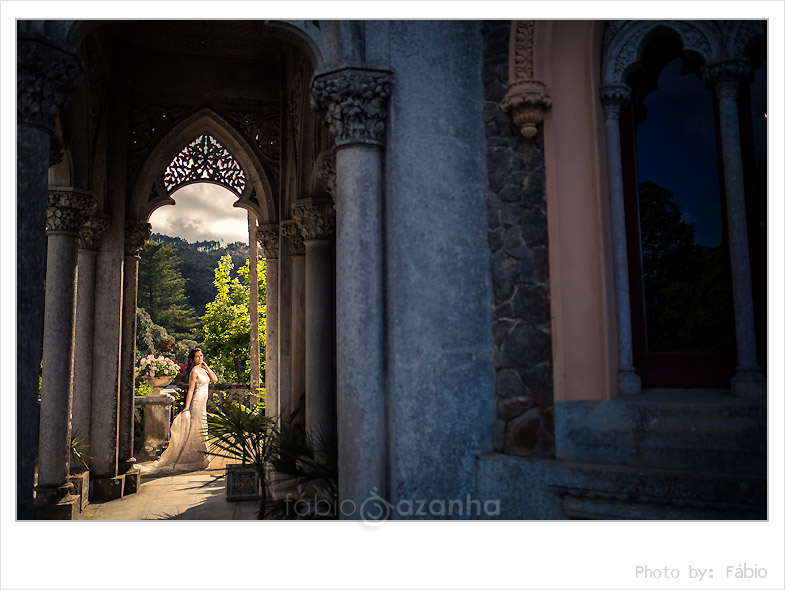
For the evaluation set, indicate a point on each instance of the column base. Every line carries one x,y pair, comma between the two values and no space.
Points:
133,479
748,384
108,488
628,383
55,503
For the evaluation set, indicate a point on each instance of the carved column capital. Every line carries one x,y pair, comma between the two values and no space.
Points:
325,165
613,98
724,76
315,219
291,231
353,104
67,209
136,234
91,230
267,235
45,77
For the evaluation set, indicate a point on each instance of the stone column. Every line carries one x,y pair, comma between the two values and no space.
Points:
136,234
316,220
83,335
353,105
268,238
724,77
253,302
66,211
45,77
292,232
614,97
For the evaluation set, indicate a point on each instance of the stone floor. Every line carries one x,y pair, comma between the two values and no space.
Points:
189,496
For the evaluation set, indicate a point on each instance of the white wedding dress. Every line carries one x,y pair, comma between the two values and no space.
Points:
187,450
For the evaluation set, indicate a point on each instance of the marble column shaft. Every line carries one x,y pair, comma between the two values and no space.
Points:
353,104
66,210
613,100
725,77
316,220
83,334
45,77
297,317
268,237
136,234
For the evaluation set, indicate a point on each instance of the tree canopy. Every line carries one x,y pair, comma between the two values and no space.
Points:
161,290
227,321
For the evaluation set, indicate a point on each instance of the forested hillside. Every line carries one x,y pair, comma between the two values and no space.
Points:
198,263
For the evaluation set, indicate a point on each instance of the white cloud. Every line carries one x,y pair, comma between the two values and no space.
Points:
203,211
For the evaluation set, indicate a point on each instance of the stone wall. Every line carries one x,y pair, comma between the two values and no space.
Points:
518,238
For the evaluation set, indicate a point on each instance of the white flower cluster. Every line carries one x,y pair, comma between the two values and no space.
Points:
151,366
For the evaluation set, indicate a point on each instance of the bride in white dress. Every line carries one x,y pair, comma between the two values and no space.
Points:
187,450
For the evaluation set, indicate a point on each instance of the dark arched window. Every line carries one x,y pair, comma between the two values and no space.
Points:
681,298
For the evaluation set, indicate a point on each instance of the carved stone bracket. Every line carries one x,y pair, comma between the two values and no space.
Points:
67,209
291,231
136,234
724,76
325,164
353,104
613,98
526,103
315,219
527,100
90,232
267,235
45,77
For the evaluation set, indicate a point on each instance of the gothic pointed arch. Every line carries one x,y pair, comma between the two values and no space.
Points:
203,148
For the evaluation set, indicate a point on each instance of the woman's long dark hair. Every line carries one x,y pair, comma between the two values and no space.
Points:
190,366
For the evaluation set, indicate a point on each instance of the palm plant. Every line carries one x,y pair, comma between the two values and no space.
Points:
78,448
308,461
238,432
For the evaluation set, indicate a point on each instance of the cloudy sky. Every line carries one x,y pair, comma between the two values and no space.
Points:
203,212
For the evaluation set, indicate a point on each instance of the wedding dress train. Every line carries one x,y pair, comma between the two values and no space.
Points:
187,450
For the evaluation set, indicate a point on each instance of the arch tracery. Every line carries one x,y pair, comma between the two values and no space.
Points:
204,160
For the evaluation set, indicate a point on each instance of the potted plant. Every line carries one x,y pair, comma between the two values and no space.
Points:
158,372
79,476
244,434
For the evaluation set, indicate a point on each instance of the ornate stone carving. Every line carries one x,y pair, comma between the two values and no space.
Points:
136,234
724,76
741,34
315,219
522,50
267,235
204,159
268,137
526,103
45,77
614,97
147,125
325,165
294,237
91,230
66,209
623,40
353,104
295,106
527,100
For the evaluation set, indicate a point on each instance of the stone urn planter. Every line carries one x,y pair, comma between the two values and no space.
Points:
157,383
